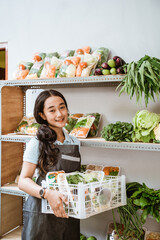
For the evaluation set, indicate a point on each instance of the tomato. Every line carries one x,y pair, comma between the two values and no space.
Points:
37,58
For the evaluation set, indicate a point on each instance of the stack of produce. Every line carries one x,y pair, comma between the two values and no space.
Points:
77,124
83,237
71,63
22,70
112,66
142,79
145,128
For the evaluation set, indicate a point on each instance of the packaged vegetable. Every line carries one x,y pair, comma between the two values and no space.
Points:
68,69
51,178
112,171
70,124
51,66
22,70
95,126
152,235
36,70
102,55
82,127
38,57
66,53
27,125
94,167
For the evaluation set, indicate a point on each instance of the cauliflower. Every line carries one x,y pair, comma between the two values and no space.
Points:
157,132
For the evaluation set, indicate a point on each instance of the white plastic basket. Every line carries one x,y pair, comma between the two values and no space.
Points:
86,200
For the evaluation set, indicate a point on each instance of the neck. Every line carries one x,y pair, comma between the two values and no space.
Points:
60,134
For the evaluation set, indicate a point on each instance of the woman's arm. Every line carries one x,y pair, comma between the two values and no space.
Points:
27,185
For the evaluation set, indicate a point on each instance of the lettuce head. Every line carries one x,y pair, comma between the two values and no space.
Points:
144,123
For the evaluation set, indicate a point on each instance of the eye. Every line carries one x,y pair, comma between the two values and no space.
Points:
52,110
62,107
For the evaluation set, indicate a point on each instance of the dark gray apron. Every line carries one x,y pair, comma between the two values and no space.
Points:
42,226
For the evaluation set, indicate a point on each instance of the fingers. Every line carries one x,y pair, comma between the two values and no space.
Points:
59,210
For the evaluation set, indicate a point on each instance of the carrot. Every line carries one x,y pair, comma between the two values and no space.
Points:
22,74
79,71
80,51
76,60
83,65
22,67
67,62
87,49
37,58
51,71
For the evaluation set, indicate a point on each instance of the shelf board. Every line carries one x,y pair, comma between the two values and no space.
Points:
93,142
12,189
67,82
14,234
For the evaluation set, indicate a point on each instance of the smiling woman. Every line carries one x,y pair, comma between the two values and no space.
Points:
49,151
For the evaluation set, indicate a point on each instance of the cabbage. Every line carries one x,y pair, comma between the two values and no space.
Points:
90,59
144,123
56,62
71,70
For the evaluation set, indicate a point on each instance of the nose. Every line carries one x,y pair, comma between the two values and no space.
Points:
59,113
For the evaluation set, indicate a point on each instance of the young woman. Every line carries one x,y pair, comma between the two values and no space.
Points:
51,150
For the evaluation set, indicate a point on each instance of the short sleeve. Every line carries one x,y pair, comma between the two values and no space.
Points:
75,140
31,153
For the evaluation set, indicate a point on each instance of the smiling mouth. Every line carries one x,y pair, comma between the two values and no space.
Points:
60,120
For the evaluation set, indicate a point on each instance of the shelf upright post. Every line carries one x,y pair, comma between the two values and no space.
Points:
0,148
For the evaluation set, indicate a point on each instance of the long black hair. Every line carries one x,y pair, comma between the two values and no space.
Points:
48,152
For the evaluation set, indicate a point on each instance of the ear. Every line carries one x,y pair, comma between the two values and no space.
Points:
42,116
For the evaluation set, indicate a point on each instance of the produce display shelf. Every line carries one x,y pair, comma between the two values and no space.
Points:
14,234
77,81
93,142
12,188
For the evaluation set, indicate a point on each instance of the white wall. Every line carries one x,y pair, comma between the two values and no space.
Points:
129,29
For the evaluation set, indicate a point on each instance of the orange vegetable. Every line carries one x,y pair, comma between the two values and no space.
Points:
37,58
46,64
68,62
22,67
87,49
22,74
79,71
80,51
51,72
76,60
83,65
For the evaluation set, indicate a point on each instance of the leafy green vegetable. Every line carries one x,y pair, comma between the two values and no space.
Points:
75,179
81,123
120,131
148,200
144,124
142,78
70,125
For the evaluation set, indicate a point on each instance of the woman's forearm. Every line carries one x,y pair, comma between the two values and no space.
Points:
29,186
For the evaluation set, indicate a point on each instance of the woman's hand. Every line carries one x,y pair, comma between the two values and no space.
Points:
56,200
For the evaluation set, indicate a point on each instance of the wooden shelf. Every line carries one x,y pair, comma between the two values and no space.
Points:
13,235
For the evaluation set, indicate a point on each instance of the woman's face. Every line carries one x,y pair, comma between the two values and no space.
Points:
55,112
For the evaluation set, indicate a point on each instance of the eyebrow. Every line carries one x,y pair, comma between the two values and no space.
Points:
54,106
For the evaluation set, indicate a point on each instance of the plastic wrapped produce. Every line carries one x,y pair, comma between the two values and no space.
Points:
22,70
39,57
27,125
36,70
95,126
82,127
68,69
102,54
66,53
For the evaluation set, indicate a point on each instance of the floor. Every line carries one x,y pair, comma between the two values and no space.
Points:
14,235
